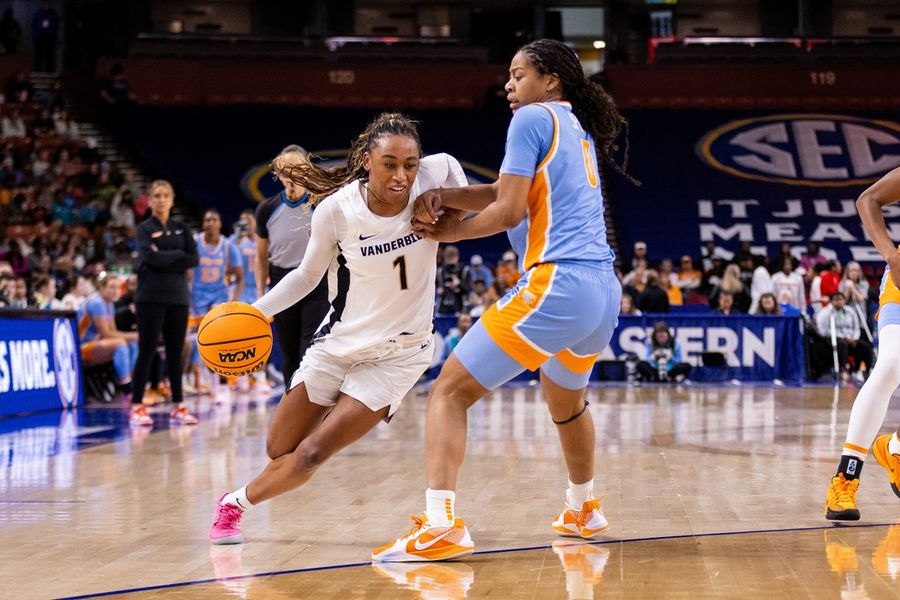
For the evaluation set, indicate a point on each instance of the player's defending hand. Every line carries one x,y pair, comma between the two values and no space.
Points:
444,229
427,207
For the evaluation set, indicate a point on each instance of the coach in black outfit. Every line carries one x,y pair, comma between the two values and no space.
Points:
282,229
166,250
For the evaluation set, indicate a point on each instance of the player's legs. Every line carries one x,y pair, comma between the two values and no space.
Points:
540,317
575,427
563,380
118,351
295,418
454,391
866,418
347,422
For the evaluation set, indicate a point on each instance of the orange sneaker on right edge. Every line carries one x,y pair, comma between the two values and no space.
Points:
890,462
585,523
426,542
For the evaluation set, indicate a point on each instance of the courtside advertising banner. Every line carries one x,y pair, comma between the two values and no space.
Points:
755,347
765,178
40,363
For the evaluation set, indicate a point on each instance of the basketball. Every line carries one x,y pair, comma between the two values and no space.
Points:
234,339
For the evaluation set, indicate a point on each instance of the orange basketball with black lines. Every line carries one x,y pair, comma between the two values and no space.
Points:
234,339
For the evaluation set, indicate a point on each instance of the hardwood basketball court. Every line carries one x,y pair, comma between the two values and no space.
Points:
711,492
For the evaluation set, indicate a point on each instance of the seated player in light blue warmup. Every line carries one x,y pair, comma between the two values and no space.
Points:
101,342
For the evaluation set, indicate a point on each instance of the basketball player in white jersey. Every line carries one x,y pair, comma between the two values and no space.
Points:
376,341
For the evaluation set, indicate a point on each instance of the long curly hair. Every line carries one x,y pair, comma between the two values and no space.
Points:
320,182
594,108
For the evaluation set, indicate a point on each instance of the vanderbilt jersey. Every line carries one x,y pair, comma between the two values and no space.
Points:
385,275
385,280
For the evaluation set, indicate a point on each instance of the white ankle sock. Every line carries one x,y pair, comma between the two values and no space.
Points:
579,493
894,444
439,506
238,498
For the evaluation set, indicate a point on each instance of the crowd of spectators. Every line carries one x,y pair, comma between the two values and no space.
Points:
65,213
826,294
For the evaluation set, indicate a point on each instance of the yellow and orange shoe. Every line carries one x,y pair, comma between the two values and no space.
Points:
840,501
433,580
841,558
886,558
152,397
890,462
586,522
426,542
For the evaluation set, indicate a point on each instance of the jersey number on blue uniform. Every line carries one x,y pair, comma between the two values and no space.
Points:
590,165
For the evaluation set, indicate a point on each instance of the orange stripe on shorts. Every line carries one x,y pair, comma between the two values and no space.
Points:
575,362
500,323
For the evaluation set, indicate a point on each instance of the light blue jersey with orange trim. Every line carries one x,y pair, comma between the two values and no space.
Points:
88,313
564,221
208,287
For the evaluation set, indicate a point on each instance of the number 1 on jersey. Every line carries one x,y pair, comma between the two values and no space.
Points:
401,262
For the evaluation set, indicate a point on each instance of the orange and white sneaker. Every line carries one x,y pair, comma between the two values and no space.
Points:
437,581
586,522
426,542
583,563
180,415
140,417
890,462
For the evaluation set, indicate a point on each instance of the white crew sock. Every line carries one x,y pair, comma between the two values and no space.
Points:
439,505
238,498
579,493
894,445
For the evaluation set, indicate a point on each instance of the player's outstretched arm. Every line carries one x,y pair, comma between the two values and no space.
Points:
504,213
883,192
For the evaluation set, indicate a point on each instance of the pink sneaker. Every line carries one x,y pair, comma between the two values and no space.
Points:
226,528
180,414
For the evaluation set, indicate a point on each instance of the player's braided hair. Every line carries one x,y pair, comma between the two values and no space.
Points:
322,181
594,108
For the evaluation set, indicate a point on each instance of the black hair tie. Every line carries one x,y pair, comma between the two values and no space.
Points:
573,417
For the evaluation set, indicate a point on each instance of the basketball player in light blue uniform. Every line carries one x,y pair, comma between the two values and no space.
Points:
557,318
219,259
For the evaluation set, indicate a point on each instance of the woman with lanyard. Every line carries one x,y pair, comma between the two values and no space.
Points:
166,252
